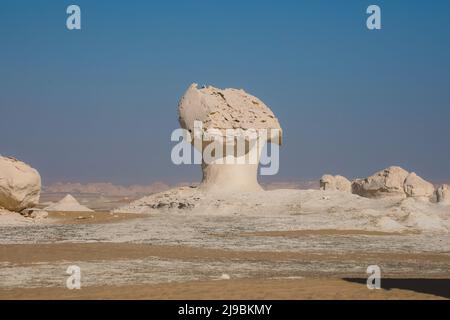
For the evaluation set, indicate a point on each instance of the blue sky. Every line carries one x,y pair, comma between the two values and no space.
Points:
99,104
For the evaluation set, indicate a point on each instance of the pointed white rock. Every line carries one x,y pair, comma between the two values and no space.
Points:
68,203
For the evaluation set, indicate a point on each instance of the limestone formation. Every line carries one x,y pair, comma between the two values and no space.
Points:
443,194
417,187
387,182
20,185
340,183
68,203
34,213
220,110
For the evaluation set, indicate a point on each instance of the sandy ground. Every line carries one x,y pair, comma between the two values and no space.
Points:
88,217
318,247
153,281
324,232
27,254
274,289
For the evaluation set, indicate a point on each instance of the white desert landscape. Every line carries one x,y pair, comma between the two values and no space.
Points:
227,237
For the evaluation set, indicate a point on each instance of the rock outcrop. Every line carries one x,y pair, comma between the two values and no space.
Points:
443,194
387,182
340,183
20,185
222,110
394,181
417,187
68,203
34,213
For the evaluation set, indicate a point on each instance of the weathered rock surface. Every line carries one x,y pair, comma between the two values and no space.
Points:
340,183
316,209
387,182
417,187
20,185
222,110
34,213
443,194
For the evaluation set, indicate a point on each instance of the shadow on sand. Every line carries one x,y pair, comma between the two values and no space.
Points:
438,287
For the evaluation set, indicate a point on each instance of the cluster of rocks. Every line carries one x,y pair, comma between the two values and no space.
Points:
20,188
392,181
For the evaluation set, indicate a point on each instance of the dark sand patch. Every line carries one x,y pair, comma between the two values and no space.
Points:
439,287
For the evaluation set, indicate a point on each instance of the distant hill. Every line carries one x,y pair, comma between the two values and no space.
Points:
105,188
114,190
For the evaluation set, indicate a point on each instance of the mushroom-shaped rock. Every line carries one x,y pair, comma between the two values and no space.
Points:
417,187
20,185
443,194
340,183
387,182
228,117
68,203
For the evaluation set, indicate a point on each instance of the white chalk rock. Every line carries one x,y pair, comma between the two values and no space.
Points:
225,276
224,109
340,183
220,110
20,185
443,194
417,187
68,203
35,213
387,182
426,222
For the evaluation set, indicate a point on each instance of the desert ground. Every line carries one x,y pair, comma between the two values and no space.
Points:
194,255
226,237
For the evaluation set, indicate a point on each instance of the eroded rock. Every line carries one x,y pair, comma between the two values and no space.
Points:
443,194
222,110
387,182
340,183
20,185
417,187
35,213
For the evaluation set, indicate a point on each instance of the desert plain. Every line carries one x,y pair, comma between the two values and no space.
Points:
228,237
214,255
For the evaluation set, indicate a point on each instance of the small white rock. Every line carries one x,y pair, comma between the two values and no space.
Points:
225,276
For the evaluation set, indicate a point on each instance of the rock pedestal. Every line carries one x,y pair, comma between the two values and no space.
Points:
228,116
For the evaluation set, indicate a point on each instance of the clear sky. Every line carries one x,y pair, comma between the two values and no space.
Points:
100,104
